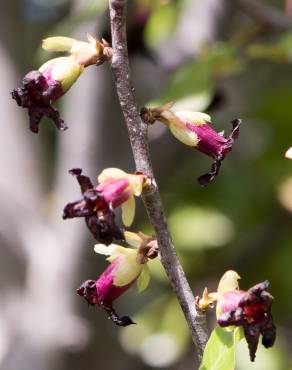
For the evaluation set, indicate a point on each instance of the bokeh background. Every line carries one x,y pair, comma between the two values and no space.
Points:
228,58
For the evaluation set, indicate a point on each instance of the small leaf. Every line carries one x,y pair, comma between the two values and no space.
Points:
143,279
220,350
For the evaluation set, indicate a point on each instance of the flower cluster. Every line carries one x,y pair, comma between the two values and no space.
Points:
127,265
193,129
115,188
54,78
249,309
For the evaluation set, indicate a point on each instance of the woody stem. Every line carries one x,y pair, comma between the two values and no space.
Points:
138,137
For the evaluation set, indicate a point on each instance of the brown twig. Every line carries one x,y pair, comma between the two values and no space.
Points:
138,138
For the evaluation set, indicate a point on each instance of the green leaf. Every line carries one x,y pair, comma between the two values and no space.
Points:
143,279
161,24
220,350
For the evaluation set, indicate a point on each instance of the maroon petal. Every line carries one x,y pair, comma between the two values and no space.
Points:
253,314
84,181
37,95
216,146
88,290
104,228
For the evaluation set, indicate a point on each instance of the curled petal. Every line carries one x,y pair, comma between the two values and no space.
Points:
84,181
252,311
36,95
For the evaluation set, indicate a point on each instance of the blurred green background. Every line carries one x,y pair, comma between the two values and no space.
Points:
231,59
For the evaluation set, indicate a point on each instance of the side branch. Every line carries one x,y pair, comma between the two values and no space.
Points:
138,138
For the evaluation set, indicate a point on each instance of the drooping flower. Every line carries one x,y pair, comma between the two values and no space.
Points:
54,78
120,188
116,188
193,129
126,267
249,309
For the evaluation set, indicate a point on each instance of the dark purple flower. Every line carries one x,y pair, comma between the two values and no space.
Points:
252,311
249,309
97,211
43,87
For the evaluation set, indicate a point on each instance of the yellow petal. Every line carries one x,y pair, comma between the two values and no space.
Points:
58,43
111,173
228,282
128,211
184,135
197,118
83,50
64,69
133,239
128,269
112,250
143,279
136,182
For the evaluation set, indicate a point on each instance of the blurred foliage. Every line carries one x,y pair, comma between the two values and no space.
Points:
279,50
192,87
162,21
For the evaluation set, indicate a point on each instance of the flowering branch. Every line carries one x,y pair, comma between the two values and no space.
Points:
138,137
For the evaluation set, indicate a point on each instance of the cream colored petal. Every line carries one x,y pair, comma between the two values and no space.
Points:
228,282
197,118
133,239
83,49
144,279
65,70
111,173
170,118
288,153
112,250
58,43
184,135
128,269
136,182
128,211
